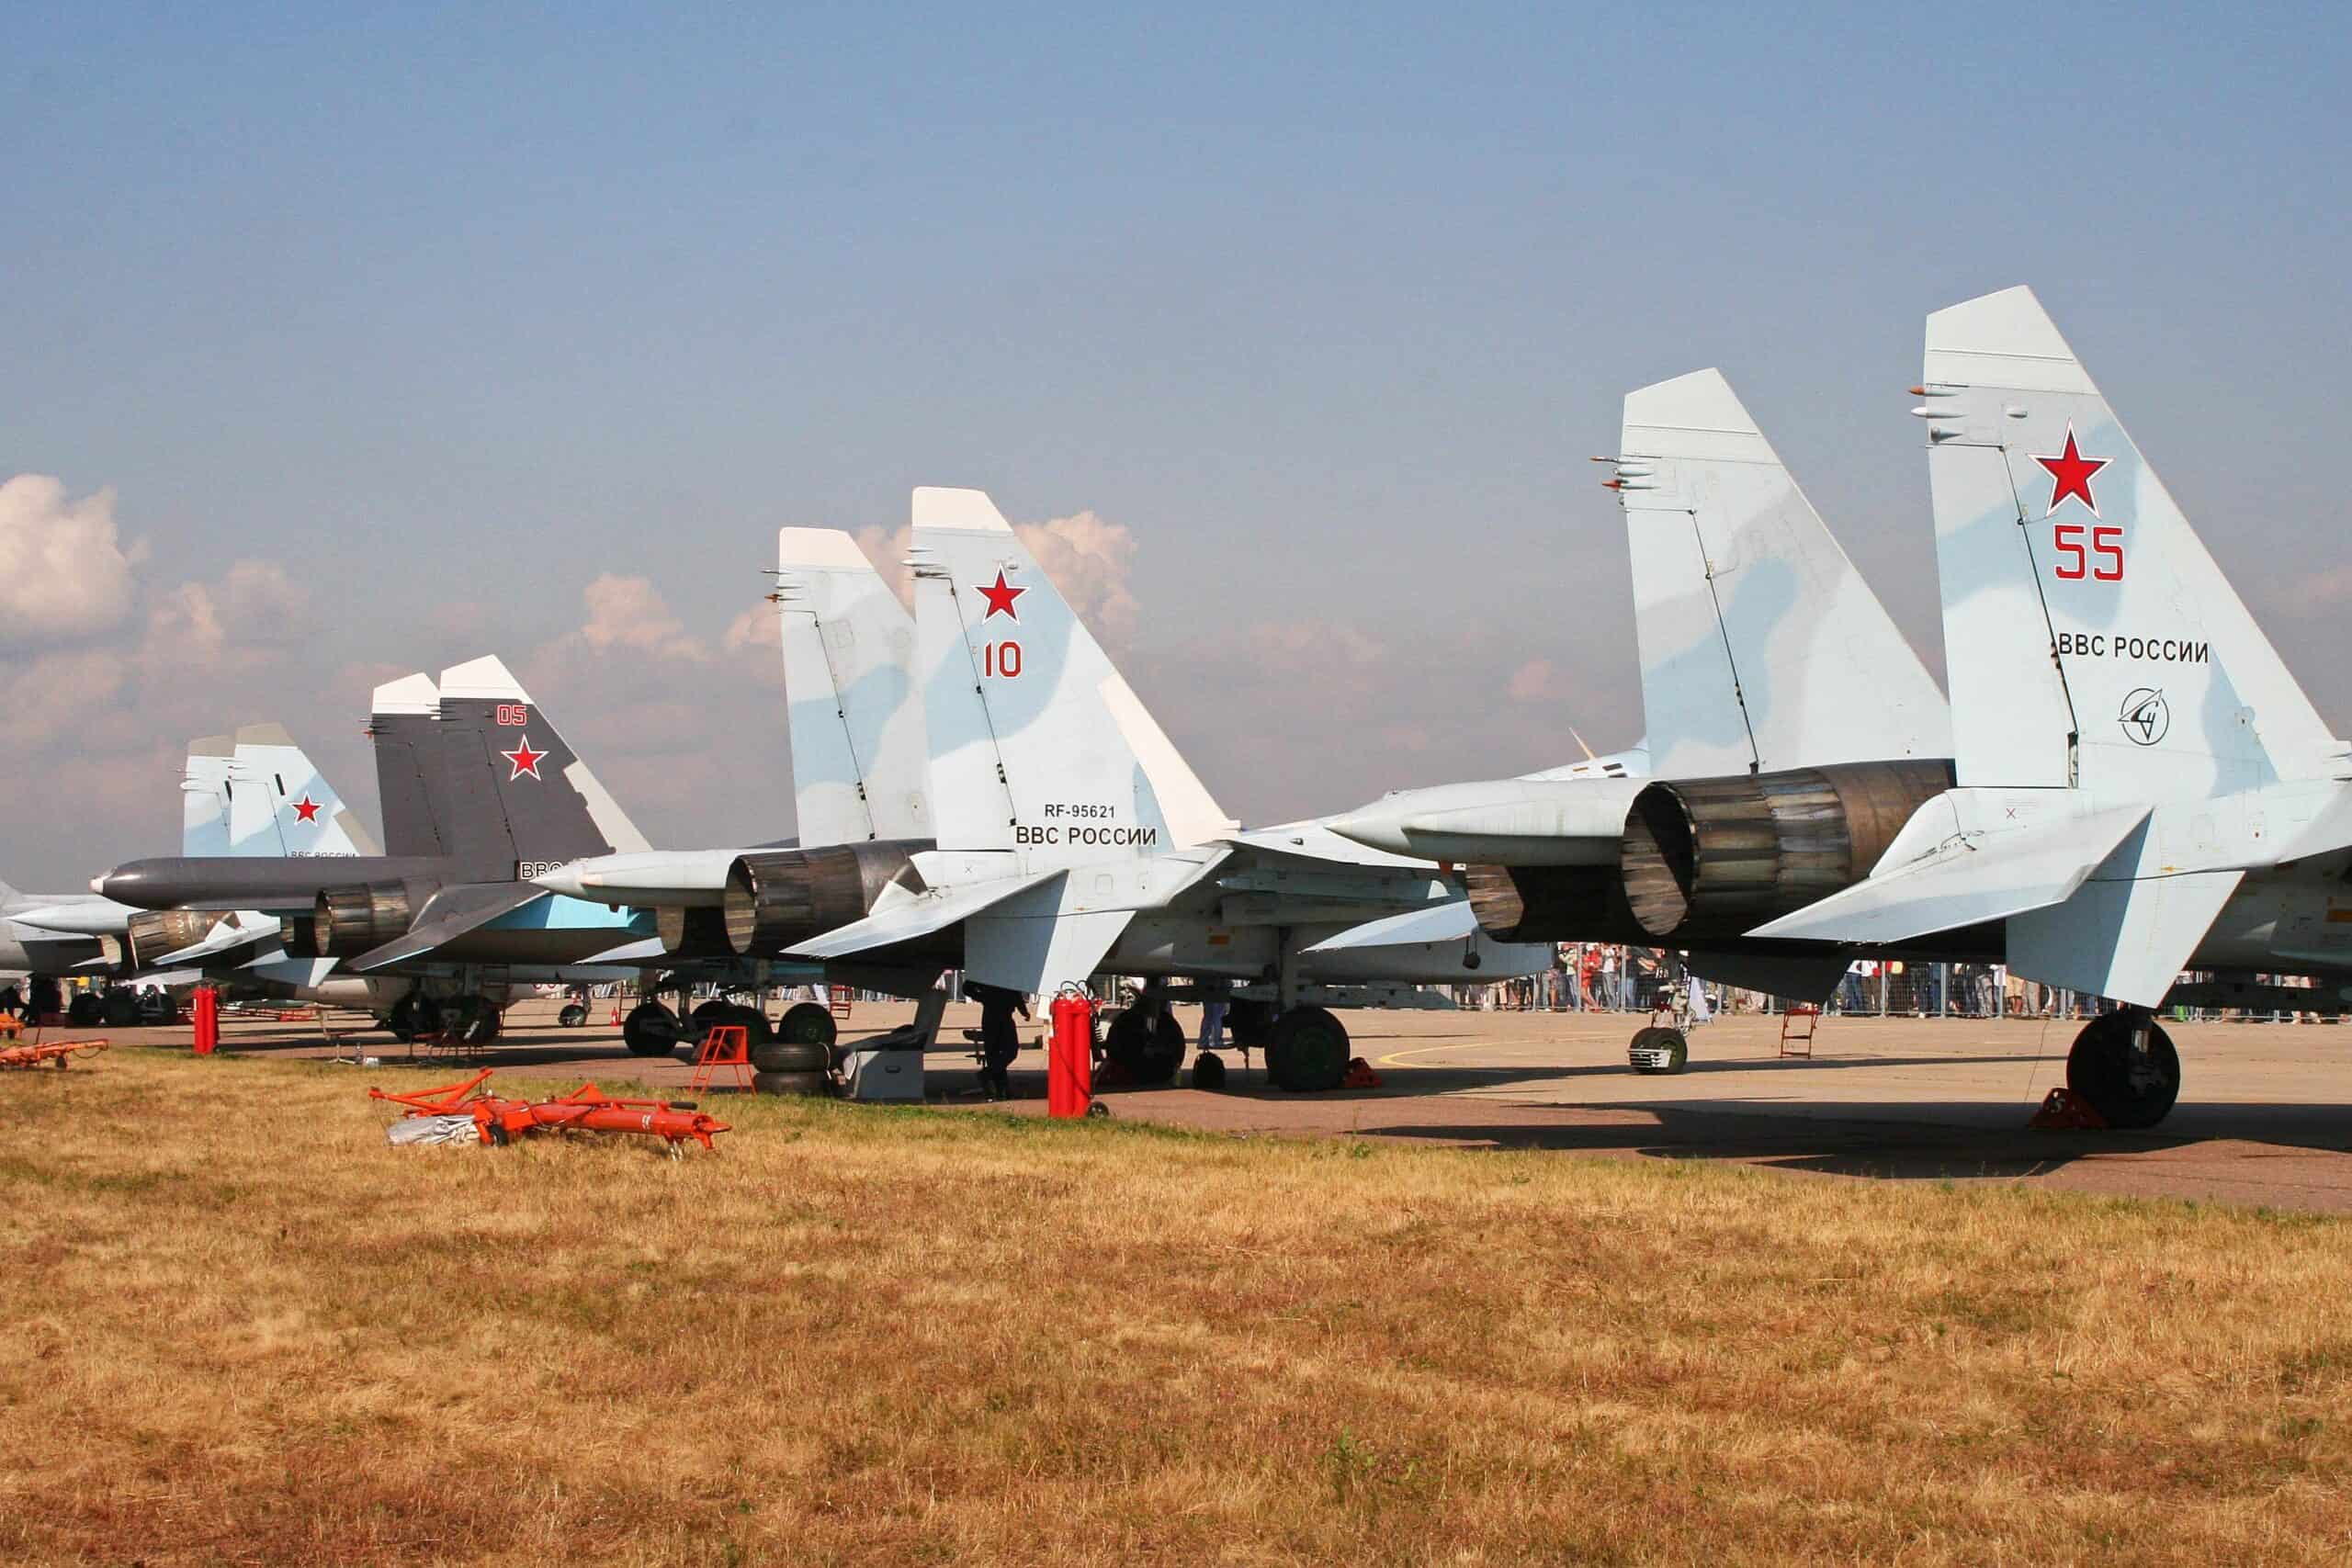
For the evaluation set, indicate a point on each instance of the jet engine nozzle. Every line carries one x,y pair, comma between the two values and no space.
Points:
777,897
151,933
349,921
1718,857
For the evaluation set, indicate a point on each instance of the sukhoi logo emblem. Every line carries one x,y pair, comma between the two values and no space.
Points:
2146,716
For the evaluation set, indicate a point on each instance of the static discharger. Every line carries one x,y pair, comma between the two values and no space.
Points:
58,1052
585,1110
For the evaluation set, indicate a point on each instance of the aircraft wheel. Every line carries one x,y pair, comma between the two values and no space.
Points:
1659,1050
2129,1086
1208,1071
790,1056
1148,1046
483,1020
401,1019
806,1023
573,1015
1307,1050
120,1008
82,1011
793,1083
1248,1024
650,1030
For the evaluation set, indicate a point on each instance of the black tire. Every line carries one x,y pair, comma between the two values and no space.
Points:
1208,1071
1148,1046
650,1030
83,1011
401,1019
1307,1051
1671,1041
120,1009
2131,1090
806,1023
784,1057
716,1015
793,1083
573,1015
1248,1024
484,1022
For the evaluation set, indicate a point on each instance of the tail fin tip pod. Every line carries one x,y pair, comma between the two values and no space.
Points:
1037,743
2094,641
848,647
1761,647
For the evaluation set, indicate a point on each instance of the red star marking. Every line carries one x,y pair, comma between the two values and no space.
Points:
2070,474
306,809
1001,595
525,761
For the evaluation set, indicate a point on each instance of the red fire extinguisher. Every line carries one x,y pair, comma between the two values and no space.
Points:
1069,1060
207,1020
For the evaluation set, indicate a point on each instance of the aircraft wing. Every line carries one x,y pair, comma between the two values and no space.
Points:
452,913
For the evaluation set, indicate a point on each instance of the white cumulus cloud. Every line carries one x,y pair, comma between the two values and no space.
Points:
67,573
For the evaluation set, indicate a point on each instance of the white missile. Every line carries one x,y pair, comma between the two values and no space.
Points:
79,916
1506,821
678,878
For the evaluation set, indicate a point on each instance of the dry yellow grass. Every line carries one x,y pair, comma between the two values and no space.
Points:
260,1335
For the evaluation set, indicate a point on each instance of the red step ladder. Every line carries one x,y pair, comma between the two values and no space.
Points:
1796,1041
728,1047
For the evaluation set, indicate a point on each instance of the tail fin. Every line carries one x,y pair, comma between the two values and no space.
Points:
402,717
508,788
1762,645
279,804
204,796
858,767
2092,641
1037,745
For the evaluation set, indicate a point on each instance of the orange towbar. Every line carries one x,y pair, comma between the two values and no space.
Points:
60,1052
585,1109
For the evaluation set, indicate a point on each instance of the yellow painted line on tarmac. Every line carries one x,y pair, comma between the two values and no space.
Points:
1396,1059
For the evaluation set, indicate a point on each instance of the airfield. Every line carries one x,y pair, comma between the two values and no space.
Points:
2265,1118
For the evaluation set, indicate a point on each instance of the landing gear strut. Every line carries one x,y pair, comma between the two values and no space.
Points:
2123,1066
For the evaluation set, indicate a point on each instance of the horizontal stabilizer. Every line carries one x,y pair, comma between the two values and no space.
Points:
1967,879
1446,922
645,951
2128,931
918,916
1037,939
450,914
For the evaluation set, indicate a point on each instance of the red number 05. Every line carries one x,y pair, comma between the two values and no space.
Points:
1001,659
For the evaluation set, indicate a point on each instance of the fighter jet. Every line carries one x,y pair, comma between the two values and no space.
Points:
1776,688
2141,786
481,792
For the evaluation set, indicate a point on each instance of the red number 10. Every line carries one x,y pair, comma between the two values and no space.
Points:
1000,659
2107,543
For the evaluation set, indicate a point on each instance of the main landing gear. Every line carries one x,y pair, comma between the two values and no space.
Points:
2123,1066
476,1018
1306,1050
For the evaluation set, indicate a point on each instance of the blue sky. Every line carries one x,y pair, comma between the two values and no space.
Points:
445,312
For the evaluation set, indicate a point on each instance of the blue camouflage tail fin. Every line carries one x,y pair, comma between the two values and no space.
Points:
859,771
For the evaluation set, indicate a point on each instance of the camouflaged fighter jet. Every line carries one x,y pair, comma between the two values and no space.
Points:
1069,838
140,944
480,792
2142,787
1775,688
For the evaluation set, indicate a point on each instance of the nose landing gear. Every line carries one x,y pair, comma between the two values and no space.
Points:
2123,1066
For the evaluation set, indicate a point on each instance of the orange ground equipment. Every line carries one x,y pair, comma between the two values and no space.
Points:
727,1048
1797,1026
60,1051
585,1110
1069,1055
2063,1111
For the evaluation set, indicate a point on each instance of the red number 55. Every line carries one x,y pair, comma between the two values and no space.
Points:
2107,543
